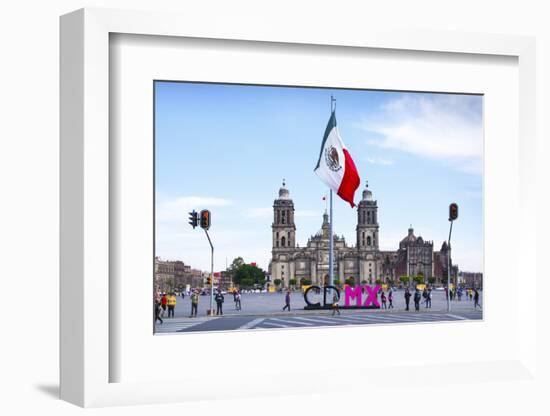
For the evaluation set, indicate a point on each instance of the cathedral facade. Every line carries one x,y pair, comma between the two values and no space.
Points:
363,261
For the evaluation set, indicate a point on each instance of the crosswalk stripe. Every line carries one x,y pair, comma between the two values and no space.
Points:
317,320
273,324
252,323
460,318
289,322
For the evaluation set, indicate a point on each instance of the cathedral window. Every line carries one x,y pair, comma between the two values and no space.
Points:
368,217
283,241
368,240
289,239
283,218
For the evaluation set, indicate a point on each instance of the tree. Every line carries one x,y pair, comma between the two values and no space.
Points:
247,275
305,282
292,282
405,279
337,282
378,281
418,279
431,280
277,282
350,281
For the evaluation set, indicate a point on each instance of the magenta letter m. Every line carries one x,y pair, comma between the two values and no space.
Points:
353,293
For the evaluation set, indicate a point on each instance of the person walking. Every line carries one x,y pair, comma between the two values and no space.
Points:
194,303
476,299
383,300
390,299
157,309
407,298
163,303
335,307
219,302
459,294
429,298
425,296
417,297
287,300
237,300
171,303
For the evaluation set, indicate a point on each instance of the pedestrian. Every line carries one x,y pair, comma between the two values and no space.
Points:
194,303
417,297
163,303
383,300
287,300
390,299
335,307
425,296
183,294
471,293
407,298
237,295
429,298
157,310
476,299
459,293
219,302
171,303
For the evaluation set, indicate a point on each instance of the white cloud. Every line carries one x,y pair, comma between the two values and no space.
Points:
447,128
379,161
305,213
263,212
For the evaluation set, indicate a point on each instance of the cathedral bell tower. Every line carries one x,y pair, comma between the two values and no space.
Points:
367,222
283,227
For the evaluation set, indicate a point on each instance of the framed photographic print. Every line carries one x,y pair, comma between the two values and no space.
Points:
277,201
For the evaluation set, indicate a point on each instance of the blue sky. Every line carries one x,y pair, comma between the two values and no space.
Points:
228,147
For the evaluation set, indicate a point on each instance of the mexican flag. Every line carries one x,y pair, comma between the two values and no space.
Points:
335,166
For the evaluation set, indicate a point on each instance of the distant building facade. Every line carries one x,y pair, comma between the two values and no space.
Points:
175,275
363,262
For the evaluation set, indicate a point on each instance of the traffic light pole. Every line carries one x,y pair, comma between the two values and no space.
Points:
449,270
211,274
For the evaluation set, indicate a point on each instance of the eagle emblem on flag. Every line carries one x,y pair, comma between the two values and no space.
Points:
332,159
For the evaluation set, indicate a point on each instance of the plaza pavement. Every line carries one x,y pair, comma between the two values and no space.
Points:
264,311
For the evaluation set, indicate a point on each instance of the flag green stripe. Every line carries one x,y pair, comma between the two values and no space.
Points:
331,124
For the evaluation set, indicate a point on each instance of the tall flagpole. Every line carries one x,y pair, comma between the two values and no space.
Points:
331,239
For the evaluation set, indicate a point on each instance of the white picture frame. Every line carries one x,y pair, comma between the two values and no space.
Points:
87,334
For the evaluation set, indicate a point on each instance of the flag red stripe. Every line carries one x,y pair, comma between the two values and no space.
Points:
350,181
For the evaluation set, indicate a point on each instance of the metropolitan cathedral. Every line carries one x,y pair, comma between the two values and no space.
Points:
364,261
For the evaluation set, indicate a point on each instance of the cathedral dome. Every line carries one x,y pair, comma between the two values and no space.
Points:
283,192
367,193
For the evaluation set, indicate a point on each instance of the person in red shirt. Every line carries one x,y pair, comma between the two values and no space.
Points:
163,304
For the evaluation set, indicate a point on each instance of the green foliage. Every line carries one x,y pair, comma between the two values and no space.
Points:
247,275
405,279
350,281
277,282
292,282
337,282
418,279
305,282
378,281
431,280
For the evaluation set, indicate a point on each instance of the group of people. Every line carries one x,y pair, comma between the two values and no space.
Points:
164,302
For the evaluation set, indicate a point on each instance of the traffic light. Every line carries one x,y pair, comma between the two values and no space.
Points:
208,281
453,211
205,219
193,219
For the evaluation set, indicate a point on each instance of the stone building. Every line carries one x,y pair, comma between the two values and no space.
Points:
175,275
363,261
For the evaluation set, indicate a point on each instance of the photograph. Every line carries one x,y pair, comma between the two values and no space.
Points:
281,207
